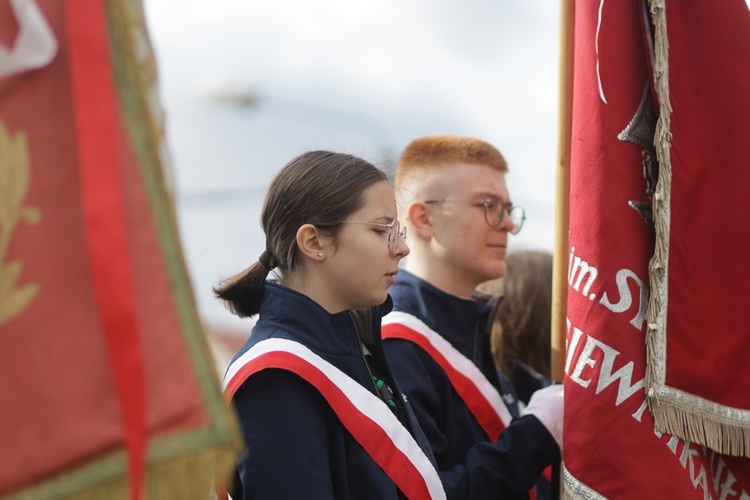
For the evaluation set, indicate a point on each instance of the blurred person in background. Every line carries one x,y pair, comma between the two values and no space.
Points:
521,329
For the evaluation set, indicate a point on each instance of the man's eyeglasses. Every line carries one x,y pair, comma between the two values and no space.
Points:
395,231
494,211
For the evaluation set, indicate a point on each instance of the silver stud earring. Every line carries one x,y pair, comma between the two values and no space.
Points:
320,254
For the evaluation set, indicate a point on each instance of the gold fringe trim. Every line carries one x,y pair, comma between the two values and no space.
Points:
566,494
573,489
707,428
189,476
721,428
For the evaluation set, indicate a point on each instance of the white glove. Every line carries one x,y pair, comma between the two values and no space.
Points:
547,405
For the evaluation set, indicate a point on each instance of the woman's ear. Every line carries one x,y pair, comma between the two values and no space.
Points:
420,217
312,243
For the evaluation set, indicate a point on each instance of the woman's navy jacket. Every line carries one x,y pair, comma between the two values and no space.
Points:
296,445
470,466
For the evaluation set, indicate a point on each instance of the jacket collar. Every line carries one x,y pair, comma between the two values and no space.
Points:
291,314
463,322
304,320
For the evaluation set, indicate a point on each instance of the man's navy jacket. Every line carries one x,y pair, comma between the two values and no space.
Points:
471,466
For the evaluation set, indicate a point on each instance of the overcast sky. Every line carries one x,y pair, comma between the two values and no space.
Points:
359,77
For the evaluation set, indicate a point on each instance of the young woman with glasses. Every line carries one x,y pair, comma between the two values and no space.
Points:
320,412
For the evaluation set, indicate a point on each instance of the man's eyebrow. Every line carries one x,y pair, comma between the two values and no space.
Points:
484,196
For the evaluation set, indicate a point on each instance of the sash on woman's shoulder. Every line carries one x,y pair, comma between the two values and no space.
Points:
363,414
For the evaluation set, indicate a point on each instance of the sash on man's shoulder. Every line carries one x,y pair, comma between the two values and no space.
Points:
480,396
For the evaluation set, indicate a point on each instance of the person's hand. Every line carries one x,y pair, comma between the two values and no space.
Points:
547,405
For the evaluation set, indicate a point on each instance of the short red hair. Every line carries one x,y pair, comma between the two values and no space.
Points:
438,151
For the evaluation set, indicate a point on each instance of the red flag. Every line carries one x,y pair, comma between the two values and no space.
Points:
611,446
699,343
107,383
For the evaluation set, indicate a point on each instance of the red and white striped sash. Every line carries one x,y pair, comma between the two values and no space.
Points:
368,420
480,396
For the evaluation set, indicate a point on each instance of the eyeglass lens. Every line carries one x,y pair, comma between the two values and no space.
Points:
495,217
394,233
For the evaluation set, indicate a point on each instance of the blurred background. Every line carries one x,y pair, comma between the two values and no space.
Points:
248,85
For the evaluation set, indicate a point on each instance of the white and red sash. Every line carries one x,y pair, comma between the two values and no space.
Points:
480,396
368,420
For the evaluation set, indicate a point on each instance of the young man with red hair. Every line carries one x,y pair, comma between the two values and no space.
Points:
459,214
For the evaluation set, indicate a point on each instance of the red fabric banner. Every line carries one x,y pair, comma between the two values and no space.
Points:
612,449
97,133
700,342
107,381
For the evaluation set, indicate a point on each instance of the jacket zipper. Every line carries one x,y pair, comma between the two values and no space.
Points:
364,358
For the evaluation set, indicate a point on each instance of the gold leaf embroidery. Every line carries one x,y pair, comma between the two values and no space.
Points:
15,179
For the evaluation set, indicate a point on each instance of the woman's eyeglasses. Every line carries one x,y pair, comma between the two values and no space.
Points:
395,231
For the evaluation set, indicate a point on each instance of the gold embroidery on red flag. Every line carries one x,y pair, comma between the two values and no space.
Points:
15,177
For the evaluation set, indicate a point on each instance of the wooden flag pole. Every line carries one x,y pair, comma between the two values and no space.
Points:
560,259
562,213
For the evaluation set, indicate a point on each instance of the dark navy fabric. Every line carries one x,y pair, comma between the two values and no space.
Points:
526,380
509,394
517,393
296,445
471,466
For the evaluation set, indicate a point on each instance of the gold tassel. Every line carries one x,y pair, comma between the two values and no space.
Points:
188,476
